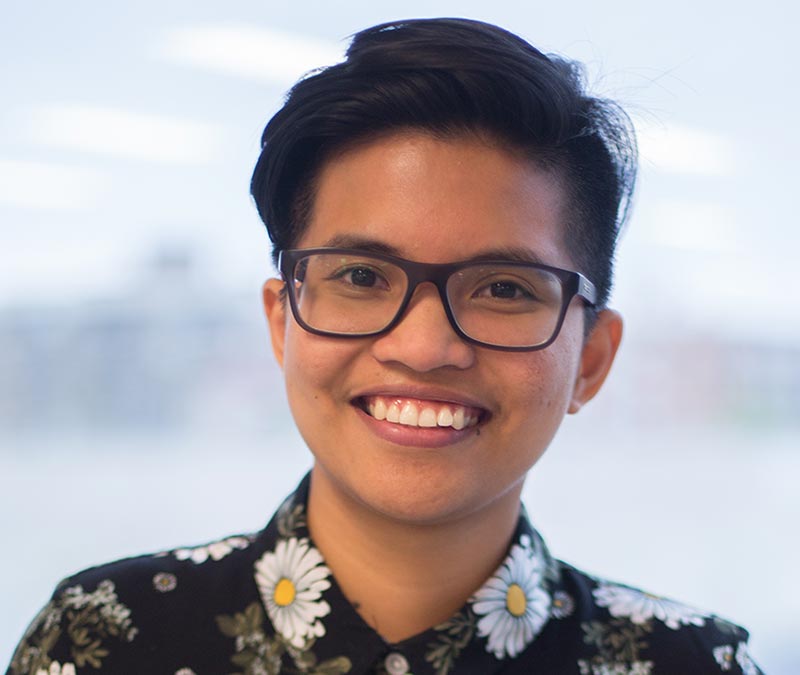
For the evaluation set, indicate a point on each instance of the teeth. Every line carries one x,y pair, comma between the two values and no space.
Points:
409,415
445,418
427,418
378,409
393,414
413,414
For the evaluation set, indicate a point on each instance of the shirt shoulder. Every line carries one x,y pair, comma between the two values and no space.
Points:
617,628
141,610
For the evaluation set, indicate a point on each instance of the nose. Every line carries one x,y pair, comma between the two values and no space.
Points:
424,340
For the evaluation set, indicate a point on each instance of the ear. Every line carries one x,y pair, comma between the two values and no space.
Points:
275,309
599,350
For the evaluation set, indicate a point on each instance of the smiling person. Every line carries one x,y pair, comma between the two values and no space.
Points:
444,207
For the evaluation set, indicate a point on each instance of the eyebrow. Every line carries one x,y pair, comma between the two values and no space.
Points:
369,245
361,243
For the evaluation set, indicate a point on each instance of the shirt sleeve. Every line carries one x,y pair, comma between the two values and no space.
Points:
75,632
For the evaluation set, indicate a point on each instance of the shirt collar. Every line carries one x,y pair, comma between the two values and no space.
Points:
317,625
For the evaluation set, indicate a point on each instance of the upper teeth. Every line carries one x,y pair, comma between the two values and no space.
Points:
419,414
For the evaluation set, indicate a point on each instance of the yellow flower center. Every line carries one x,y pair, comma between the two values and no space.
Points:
284,592
516,602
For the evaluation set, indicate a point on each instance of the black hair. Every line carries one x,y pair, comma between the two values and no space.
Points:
451,77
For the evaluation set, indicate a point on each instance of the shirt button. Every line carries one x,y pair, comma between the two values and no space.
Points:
396,664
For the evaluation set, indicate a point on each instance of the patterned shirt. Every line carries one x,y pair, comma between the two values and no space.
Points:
267,604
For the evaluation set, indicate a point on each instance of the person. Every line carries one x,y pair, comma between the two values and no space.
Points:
444,207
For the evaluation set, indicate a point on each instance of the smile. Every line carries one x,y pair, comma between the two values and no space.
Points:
419,413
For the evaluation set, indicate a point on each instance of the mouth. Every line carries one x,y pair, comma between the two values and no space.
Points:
420,413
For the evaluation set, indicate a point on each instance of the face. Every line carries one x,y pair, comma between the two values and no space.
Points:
434,201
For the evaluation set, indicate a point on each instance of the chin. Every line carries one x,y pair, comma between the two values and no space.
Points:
422,495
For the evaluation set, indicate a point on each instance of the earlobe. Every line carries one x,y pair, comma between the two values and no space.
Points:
275,310
599,350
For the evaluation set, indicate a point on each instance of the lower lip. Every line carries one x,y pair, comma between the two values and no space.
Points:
415,437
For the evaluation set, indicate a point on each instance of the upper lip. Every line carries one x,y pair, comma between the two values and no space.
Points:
424,393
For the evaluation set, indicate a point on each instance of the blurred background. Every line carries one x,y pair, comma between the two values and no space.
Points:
139,405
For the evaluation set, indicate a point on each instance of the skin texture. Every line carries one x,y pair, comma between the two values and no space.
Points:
397,521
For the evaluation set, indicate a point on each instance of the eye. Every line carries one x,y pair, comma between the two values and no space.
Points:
504,290
507,290
361,276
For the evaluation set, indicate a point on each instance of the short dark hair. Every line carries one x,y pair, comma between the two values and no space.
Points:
451,77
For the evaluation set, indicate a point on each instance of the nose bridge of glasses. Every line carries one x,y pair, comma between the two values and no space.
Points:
422,275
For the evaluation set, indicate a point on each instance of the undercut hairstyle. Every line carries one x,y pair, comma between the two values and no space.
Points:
453,78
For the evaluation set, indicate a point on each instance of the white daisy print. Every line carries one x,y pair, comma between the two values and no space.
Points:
635,668
164,582
216,550
563,605
639,607
724,656
291,582
744,660
512,604
57,669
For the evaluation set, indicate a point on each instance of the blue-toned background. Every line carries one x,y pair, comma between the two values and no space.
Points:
140,409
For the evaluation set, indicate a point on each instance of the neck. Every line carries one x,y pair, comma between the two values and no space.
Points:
402,577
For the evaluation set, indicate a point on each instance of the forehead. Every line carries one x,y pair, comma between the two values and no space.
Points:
438,200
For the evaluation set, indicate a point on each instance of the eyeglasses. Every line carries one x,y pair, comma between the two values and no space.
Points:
500,304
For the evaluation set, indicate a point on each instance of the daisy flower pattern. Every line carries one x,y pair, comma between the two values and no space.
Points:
164,582
276,607
216,550
638,606
562,606
723,655
744,660
57,669
636,668
291,581
512,604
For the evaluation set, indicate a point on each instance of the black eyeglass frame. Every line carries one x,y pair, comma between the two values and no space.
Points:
572,284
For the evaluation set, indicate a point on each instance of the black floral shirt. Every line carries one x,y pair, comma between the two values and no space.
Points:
267,603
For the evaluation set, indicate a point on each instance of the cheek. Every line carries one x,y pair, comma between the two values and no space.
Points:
545,381
543,385
314,365
301,362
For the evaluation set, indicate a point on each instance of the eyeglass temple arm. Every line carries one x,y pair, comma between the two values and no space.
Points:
587,290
